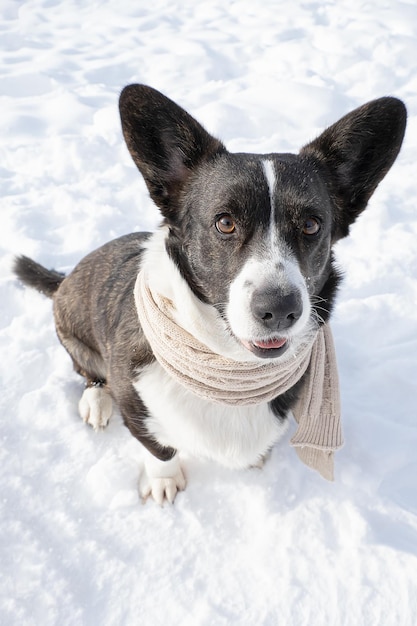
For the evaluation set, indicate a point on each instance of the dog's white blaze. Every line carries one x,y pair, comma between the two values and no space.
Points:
272,265
271,180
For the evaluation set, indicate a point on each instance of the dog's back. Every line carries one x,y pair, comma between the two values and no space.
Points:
93,306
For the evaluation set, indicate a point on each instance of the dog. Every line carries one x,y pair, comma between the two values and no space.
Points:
243,260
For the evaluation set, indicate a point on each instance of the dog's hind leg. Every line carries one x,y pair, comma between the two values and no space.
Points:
95,406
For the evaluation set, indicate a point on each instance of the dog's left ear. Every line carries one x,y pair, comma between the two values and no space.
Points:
165,142
356,153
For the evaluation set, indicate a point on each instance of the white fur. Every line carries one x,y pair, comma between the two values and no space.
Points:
95,407
272,268
234,436
161,479
270,179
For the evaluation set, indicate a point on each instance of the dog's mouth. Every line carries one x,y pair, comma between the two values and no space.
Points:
269,349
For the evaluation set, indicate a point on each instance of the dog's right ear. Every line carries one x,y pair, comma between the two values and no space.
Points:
165,142
356,152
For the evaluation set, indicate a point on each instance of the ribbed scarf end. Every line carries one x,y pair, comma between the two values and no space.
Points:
323,432
320,460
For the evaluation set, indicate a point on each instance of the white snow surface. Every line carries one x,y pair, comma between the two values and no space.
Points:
277,546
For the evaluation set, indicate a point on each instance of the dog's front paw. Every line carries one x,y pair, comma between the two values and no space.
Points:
161,489
96,407
161,480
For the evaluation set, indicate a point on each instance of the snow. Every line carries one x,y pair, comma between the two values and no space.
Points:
256,547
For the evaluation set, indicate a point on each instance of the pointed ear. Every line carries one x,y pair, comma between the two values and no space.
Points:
357,152
165,142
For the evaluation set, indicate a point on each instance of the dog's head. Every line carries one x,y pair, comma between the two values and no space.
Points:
253,234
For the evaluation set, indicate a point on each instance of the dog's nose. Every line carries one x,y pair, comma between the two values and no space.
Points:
277,311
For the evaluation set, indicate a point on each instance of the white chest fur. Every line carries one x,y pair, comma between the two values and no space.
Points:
236,437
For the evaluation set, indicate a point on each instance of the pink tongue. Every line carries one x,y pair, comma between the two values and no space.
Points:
272,343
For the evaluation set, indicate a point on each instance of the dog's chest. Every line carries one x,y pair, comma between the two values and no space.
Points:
235,436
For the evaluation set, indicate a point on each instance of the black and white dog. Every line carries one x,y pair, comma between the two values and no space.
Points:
243,255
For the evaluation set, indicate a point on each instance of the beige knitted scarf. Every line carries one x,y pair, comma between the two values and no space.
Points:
226,381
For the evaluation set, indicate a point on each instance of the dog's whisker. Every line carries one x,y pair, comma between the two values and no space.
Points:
320,308
317,317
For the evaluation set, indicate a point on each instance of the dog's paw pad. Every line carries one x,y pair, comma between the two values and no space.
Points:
96,407
162,489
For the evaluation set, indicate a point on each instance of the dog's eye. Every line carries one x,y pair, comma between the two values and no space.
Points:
311,226
225,224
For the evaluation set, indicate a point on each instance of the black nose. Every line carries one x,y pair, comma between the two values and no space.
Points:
276,310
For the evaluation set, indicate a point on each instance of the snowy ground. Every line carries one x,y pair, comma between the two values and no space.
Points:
254,548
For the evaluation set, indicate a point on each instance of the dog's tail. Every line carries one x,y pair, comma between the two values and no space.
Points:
34,275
